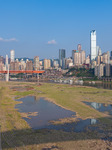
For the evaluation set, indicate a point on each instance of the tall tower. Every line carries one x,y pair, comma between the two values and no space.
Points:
12,55
61,57
93,51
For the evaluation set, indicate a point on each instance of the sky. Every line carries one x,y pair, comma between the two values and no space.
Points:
42,27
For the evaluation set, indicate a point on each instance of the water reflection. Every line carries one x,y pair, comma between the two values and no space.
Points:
107,85
103,85
93,121
79,126
100,107
96,105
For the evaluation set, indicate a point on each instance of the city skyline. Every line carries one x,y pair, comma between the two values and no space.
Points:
95,50
43,27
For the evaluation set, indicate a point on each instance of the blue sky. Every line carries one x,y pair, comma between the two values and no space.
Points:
42,27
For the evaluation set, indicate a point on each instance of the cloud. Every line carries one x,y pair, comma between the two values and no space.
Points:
8,40
51,42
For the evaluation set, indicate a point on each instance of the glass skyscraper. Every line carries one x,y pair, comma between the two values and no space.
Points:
93,50
61,57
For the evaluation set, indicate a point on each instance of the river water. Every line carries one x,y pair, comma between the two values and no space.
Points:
103,85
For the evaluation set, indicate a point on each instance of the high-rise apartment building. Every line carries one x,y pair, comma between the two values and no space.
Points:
78,57
98,51
111,55
14,66
12,55
62,56
22,64
55,63
106,58
1,66
83,56
87,60
47,63
68,62
107,70
29,65
6,60
1,59
99,70
73,51
36,63
98,60
93,50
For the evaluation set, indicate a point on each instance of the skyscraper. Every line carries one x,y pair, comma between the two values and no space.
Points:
83,56
62,56
6,60
93,50
79,47
47,63
78,57
99,51
12,55
29,65
1,59
36,63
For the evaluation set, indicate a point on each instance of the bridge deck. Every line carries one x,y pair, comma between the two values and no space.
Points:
22,71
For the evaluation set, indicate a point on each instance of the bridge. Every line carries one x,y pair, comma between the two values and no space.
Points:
22,71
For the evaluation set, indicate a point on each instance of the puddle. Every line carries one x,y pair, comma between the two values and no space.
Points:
48,111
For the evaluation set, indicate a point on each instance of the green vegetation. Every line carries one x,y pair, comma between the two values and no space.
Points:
22,94
95,78
80,72
17,134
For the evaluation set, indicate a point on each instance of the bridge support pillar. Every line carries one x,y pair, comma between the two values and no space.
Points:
7,75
